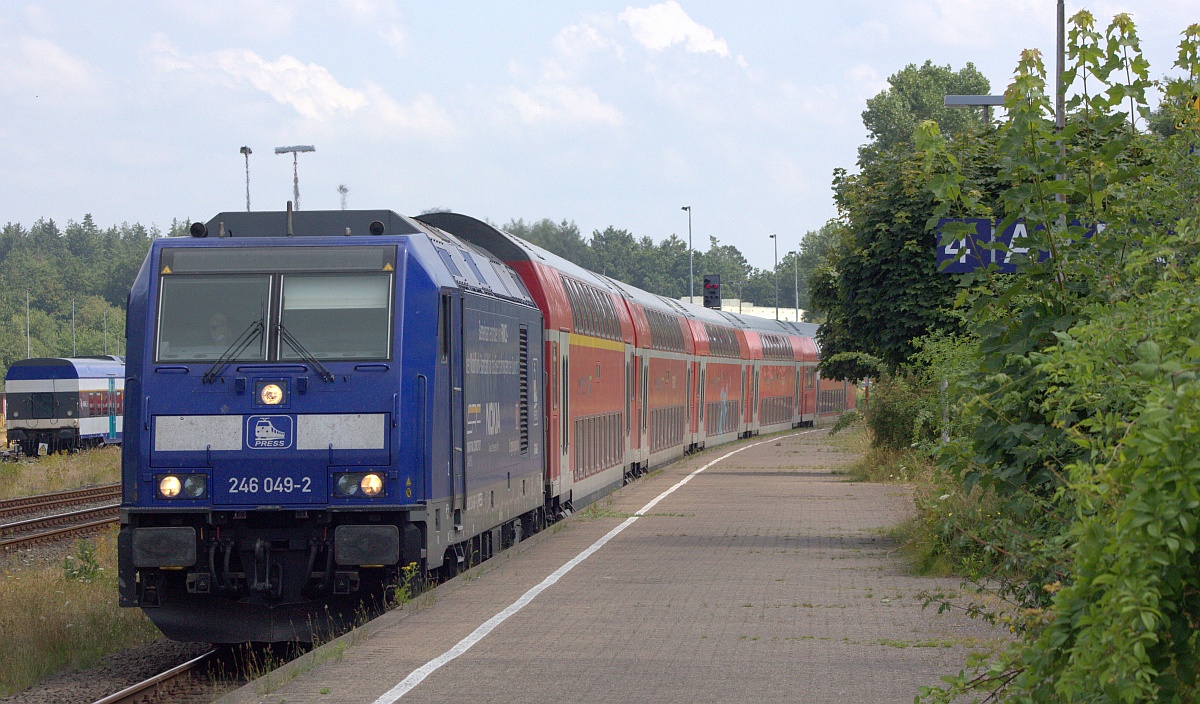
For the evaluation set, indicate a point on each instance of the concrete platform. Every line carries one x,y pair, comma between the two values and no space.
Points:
764,578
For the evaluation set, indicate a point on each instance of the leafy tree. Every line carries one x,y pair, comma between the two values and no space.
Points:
916,94
614,253
562,239
877,286
815,247
80,263
880,288
726,261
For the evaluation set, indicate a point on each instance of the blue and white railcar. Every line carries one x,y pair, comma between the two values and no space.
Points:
316,400
64,403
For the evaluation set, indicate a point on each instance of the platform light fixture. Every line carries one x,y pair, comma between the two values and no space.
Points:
691,269
246,153
295,152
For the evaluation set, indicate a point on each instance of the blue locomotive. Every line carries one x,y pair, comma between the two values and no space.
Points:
64,403
314,401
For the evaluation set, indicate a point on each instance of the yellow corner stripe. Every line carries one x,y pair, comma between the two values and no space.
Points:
578,340
166,270
388,267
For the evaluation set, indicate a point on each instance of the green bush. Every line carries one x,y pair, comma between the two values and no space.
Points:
902,414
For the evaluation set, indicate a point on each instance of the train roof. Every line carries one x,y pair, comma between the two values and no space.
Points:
66,368
469,266
512,248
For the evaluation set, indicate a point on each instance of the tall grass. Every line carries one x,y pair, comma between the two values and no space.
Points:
64,615
951,531
59,471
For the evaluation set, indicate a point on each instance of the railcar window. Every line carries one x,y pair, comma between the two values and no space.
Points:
337,316
200,317
43,405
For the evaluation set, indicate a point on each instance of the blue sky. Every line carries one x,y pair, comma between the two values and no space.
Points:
605,113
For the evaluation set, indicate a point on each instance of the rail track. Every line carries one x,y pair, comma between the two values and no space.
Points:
182,683
59,499
56,527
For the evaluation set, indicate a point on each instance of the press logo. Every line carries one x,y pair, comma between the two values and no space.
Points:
269,432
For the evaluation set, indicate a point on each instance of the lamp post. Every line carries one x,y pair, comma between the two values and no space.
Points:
295,152
246,153
796,262
775,240
691,275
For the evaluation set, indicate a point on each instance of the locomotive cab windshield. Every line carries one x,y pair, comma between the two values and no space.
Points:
316,302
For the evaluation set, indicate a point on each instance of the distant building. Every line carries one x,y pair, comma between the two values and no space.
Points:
737,305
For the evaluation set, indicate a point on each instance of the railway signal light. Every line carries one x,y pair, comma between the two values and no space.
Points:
712,291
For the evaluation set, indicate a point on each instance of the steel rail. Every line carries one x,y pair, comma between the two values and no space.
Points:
58,499
152,687
56,534
71,517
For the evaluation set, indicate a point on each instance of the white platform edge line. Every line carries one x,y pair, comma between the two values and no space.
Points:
418,675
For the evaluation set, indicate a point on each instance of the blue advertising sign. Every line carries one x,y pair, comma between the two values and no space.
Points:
963,254
983,245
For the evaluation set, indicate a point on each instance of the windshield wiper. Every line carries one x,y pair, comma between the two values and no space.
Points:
304,354
235,349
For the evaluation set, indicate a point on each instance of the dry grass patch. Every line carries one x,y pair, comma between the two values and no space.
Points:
64,615
60,471
853,439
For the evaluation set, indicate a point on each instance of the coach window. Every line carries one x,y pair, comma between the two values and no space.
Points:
200,317
336,316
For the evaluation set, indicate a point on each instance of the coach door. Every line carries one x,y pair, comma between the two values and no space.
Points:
452,319
688,401
552,412
629,443
797,399
645,412
564,384
112,408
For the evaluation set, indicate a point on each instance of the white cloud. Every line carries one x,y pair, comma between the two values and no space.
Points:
424,114
559,94
966,23
555,100
251,18
382,14
31,67
586,38
659,27
310,90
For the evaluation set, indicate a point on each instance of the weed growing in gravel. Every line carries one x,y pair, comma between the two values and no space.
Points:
56,618
83,565
411,583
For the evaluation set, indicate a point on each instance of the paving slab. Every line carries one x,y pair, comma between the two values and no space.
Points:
767,577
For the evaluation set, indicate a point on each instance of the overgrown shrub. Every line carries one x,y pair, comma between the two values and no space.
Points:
1086,395
902,414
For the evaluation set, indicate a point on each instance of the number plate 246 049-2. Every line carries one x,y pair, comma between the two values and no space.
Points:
269,485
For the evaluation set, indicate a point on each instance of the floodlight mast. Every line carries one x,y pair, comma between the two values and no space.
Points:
246,153
295,151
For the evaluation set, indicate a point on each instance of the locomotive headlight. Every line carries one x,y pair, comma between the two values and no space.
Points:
271,394
195,485
371,484
169,486
347,484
